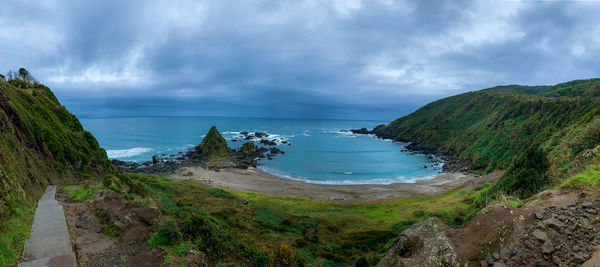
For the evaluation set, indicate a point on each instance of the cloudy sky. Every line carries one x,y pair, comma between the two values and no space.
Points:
349,59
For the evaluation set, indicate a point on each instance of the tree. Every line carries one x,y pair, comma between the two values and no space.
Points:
25,75
10,75
2,78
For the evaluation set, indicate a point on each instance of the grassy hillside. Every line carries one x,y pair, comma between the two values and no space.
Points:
490,128
41,143
276,231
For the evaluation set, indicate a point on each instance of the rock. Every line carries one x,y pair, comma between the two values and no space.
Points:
499,264
496,255
422,244
587,204
261,135
214,145
505,253
528,244
360,131
554,223
483,264
539,216
540,235
547,247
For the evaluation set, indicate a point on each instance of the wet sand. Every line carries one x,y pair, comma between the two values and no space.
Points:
257,181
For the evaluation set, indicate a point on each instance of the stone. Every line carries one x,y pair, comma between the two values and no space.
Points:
547,247
505,253
496,255
540,235
539,216
555,224
422,244
499,264
483,264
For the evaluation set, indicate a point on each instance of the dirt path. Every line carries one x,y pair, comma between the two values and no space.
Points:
49,243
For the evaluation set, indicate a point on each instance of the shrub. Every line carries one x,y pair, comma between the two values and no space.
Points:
108,228
268,216
167,235
526,175
219,193
400,226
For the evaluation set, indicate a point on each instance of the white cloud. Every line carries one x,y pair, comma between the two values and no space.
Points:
124,72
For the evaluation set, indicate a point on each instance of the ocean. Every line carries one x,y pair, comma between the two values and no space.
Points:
320,152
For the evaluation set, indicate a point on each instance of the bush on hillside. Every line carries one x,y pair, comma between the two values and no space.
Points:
526,175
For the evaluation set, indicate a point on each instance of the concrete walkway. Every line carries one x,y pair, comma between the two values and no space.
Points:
49,243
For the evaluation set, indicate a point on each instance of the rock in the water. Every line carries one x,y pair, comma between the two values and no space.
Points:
214,145
422,244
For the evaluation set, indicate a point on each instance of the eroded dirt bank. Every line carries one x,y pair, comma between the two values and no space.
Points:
96,240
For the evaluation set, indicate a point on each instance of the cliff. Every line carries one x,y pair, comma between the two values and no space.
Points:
42,143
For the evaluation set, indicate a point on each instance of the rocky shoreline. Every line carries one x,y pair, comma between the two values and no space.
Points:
249,155
450,162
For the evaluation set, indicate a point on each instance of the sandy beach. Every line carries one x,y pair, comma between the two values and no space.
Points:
257,181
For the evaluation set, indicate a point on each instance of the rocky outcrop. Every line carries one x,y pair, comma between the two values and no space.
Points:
423,244
212,153
559,236
214,145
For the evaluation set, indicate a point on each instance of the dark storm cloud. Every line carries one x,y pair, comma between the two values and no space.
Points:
312,58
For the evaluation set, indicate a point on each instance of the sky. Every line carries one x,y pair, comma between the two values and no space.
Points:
353,59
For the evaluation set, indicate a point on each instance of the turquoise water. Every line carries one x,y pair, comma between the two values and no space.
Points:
319,153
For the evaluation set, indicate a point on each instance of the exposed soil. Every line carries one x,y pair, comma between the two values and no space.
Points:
93,247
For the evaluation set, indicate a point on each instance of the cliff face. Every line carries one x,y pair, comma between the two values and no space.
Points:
41,143
488,129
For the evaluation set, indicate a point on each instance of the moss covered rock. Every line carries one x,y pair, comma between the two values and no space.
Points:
214,145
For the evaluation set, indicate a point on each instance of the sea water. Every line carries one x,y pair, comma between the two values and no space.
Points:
320,151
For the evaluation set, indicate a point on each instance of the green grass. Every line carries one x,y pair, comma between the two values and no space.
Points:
275,229
588,178
15,232
83,193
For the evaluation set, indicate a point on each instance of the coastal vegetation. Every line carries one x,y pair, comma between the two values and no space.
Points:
250,228
547,128
543,136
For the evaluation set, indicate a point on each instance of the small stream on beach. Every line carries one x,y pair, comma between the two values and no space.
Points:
320,152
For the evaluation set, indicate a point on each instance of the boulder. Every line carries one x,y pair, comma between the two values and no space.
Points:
422,244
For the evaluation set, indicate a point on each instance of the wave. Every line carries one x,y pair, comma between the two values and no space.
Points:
125,153
381,181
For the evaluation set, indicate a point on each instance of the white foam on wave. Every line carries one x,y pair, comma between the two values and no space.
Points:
125,153
381,181
277,138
